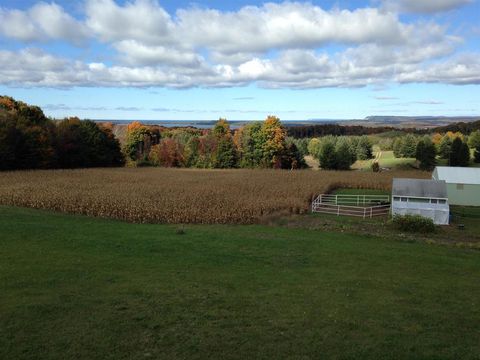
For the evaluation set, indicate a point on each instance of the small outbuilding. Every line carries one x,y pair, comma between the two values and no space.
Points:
427,198
463,184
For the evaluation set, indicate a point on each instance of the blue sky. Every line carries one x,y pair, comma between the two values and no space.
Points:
174,60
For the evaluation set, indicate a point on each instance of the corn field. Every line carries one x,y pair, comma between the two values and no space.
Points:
161,195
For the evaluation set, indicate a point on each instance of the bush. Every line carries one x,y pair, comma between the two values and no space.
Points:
413,223
375,166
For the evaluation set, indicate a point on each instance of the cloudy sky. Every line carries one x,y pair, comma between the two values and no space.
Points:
242,59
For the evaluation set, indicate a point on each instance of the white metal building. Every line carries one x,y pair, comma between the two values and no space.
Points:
463,184
427,198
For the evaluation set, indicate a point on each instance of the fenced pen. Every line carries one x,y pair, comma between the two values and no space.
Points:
365,206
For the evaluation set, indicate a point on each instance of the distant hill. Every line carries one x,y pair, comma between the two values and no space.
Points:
366,128
417,121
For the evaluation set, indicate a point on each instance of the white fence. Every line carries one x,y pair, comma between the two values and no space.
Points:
366,206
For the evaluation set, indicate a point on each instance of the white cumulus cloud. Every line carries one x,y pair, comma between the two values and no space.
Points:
42,22
275,45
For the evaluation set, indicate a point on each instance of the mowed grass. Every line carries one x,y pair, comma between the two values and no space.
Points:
386,159
80,288
360,192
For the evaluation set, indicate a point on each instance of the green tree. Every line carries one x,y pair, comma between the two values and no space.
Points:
344,155
327,154
225,154
445,147
300,144
476,154
249,142
364,148
460,153
397,147
474,139
409,146
292,157
192,152
426,154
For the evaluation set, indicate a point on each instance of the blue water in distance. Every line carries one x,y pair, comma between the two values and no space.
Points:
207,124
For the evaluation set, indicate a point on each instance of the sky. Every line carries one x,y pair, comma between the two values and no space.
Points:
242,59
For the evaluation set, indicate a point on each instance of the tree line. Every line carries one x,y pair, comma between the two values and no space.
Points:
320,130
30,140
340,152
256,145
455,148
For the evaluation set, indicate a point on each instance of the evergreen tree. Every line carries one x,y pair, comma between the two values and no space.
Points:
328,156
445,147
364,148
409,147
344,156
477,154
460,153
225,156
292,158
426,154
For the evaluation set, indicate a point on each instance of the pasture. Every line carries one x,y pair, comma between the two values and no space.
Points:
166,195
84,288
386,159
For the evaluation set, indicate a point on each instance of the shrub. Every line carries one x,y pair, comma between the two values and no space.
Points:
375,166
413,223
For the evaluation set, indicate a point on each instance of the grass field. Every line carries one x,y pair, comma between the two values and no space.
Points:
80,288
162,195
386,159
361,192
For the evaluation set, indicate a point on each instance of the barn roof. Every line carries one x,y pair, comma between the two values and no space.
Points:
458,175
419,188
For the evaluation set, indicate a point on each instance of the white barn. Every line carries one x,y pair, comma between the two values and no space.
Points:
463,184
427,198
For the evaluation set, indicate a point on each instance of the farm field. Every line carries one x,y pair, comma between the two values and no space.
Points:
163,195
84,288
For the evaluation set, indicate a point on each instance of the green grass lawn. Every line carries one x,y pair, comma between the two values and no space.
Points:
386,159
389,160
344,191
81,288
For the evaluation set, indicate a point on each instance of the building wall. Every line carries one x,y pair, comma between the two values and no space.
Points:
468,196
439,213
